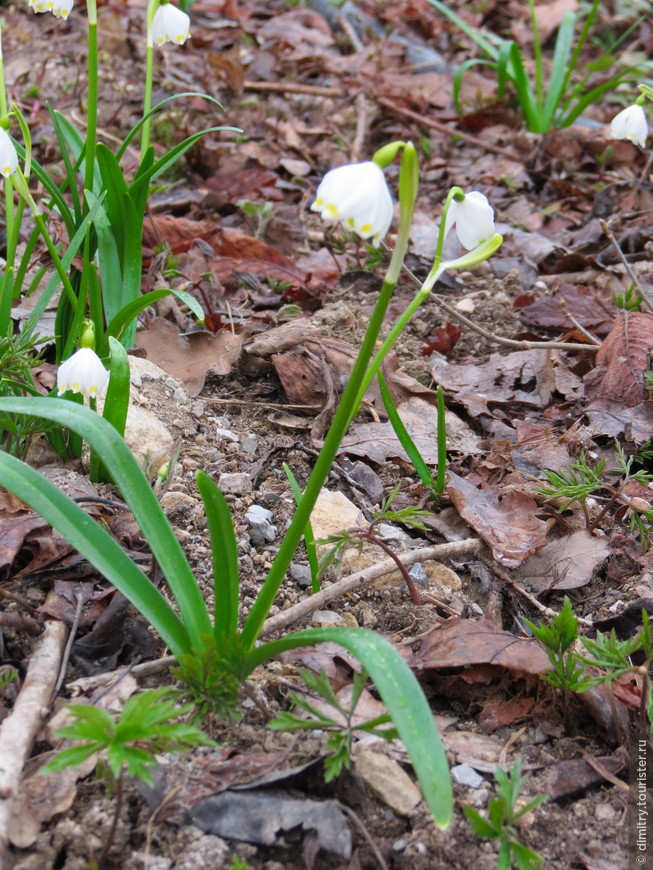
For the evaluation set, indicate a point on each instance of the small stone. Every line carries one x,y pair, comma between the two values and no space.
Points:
464,774
248,444
261,529
399,846
301,574
226,434
173,500
368,480
418,575
388,780
197,409
326,617
465,305
238,483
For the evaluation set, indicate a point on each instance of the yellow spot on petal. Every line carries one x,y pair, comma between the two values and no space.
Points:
350,222
366,229
331,211
76,387
318,202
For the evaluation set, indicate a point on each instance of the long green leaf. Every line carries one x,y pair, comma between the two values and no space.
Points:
127,314
524,90
94,543
458,79
309,536
484,41
403,435
136,491
402,696
224,547
109,257
558,77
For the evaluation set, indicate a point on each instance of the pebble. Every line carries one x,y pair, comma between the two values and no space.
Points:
225,434
464,774
238,483
418,575
327,617
368,480
261,529
248,444
301,574
388,780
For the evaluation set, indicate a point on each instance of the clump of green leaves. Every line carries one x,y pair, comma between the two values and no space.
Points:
552,103
583,480
502,814
340,739
148,724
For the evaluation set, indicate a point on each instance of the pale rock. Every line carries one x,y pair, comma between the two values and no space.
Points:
148,439
388,780
262,531
173,500
238,483
465,305
464,774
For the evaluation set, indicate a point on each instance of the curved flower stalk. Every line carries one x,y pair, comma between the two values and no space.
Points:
82,373
170,24
59,8
631,124
358,195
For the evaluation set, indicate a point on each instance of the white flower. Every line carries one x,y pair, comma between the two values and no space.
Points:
170,25
83,373
473,218
59,8
630,124
358,195
8,156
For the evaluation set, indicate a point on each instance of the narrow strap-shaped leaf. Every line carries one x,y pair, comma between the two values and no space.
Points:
123,318
524,91
309,537
483,40
461,69
403,435
94,543
224,547
558,77
136,491
110,268
68,163
403,697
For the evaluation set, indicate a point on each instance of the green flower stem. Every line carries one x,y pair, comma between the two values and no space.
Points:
152,6
336,433
92,95
9,188
22,188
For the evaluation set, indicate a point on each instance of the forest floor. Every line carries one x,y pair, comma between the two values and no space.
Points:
287,300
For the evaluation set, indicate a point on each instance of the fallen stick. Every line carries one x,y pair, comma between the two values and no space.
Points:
303,608
18,731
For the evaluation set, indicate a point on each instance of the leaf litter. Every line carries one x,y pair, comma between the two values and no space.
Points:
521,409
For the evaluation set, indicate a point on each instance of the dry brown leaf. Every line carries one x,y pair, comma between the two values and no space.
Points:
505,519
189,358
460,643
527,376
622,360
567,563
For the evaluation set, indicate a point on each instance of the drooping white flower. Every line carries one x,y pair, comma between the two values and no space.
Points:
630,124
8,155
59,8
473,218
358,195
170,25
83,373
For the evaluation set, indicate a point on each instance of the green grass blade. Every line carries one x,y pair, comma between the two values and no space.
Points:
309,537
95,544
403,697
442,442
458,79
136,491
483,41
403,436
123,318
224,547
110,268
524,90
558,77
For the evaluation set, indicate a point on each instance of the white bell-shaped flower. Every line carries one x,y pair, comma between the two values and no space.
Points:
358,195
59,8
83,373
473,218
8,155
170,25
630,124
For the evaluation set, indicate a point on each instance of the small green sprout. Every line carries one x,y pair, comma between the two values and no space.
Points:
340,740
502,816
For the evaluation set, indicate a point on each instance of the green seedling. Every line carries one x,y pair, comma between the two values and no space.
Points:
262,211
502,815
545,104
148,724
358,535
341,728
583,480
